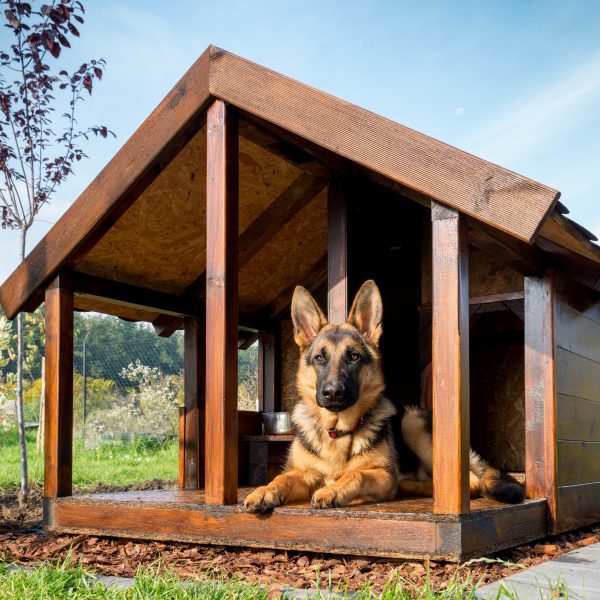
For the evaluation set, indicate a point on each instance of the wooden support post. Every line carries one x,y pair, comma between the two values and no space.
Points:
221,304
268,373
194,364
337,252
58,418
540,392
450,367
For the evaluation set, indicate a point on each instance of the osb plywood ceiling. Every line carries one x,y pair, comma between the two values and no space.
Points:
287,258
160,241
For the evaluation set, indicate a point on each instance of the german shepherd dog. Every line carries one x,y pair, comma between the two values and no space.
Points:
344,448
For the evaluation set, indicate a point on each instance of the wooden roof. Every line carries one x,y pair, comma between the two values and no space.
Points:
141,220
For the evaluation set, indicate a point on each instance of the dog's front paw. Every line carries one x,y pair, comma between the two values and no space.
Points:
326,497
262,500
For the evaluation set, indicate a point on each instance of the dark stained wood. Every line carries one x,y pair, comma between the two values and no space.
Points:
568,234
577,333
337,253
503,529
269,376
450,365
194,365
181,450
284,437
107,290
280,212
456,178
577,376
577,419
221,304
170,126
577,462
401,529
490,299
578,506
58,417
540,392
521,257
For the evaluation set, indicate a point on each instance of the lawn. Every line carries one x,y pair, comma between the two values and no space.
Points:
72,581
116,464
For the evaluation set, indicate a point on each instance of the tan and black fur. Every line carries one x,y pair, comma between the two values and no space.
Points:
344,448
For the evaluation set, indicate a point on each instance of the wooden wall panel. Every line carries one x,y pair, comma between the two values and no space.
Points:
578,407
577,376
577,419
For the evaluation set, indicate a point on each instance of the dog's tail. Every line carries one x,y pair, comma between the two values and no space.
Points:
492,483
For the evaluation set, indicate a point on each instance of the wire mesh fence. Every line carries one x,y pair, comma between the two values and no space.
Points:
127,381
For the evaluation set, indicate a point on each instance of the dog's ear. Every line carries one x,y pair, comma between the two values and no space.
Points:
367,312
307,317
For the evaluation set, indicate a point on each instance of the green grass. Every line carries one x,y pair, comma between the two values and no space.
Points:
115,464
71,581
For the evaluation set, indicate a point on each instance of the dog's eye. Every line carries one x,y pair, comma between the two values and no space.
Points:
354,356
319,358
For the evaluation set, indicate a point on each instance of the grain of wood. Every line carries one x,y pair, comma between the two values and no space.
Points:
450,365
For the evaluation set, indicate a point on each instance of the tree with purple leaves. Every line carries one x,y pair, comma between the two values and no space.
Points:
38,145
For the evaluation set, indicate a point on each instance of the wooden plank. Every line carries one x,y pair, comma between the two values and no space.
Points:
401,529
577,376
302,190
285,531
58,417
579,506
472,185
485,533
181,449
562,231
170,126
450,364
221,304
269,376
540,394
490,299
521,257
577,333
577,419
194,364
124,294
577,462
337,253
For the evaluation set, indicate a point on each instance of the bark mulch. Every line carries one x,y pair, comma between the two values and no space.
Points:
22,541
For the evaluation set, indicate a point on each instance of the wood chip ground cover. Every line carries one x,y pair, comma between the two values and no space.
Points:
22,541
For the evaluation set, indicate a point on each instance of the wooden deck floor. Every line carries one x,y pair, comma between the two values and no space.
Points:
402,528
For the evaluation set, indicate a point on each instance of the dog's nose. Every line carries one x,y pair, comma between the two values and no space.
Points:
333,391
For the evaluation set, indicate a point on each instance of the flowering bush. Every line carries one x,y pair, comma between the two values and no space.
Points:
148,409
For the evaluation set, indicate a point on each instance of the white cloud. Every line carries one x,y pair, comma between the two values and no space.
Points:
545,114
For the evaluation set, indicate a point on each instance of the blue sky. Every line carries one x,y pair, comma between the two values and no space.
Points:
515,82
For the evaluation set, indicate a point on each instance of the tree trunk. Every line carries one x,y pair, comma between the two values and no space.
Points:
24,493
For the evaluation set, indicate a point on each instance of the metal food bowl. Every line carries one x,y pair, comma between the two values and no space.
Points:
277,423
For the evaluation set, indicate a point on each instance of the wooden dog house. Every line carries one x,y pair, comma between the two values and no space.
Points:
244,183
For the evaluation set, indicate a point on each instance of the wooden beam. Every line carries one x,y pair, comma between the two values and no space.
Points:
540,391
221,304
269,392
337,253
300,192
136,165
474,186
58,417
194,365
520,256
450,365
124,294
